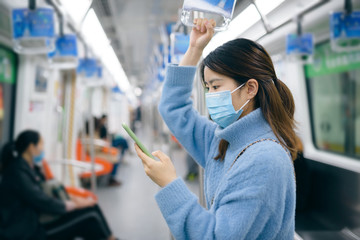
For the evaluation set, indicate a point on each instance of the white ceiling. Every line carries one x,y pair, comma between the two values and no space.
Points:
133,27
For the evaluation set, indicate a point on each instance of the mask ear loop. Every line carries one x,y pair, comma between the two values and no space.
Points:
237,88
245,102
244,105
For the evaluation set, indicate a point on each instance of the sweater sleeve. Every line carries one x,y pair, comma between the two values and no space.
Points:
194,132
236,218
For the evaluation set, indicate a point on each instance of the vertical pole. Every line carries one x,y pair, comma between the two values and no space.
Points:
70,129
83,137
92,149
201,107
32,4
298,26
65,121
63,136
348,6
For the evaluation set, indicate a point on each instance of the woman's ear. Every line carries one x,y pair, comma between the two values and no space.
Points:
252,88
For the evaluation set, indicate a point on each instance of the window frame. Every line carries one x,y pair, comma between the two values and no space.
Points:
311,112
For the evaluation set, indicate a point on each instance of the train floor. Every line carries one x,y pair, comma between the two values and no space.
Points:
131,208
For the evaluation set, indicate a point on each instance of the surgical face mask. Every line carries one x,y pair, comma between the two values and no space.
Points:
221,109
39,158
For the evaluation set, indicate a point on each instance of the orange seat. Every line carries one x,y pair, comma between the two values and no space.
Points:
47,171
173,138
75,191
110,150
78,150
106,166
80,192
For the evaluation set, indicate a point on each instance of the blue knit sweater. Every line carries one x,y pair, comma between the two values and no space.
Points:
254,200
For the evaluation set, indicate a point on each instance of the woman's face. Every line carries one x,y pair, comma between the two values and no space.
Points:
216,82
36,150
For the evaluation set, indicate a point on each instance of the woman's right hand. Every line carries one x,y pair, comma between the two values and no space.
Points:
200,36
201,33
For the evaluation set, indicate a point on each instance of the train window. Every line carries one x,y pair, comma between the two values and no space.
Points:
333,83
356,75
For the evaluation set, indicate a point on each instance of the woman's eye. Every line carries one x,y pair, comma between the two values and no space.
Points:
206,89
215,87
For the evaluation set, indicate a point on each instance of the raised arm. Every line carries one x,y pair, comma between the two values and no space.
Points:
193,131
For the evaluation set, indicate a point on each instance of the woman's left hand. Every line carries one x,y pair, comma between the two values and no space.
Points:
81,202
161,172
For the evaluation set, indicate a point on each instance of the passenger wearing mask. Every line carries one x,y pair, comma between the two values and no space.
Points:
23,199
246,151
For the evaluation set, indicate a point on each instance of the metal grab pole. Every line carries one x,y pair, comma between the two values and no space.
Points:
83,134
201,107
63,145
92,149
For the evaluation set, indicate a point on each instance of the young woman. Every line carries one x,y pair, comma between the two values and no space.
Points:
23,200
246,151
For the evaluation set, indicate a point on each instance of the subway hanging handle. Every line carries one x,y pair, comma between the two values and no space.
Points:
219,10
200,36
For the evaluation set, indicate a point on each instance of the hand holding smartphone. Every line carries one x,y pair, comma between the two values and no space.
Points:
137,141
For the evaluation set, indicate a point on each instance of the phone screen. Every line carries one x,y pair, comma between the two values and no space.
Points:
136,139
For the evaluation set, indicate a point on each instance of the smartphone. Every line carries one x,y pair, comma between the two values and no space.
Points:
136,139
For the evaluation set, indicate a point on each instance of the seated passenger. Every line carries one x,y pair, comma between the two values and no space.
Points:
23,200
118,142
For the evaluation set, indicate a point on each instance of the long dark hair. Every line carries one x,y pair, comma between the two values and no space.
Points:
243,59
12,149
